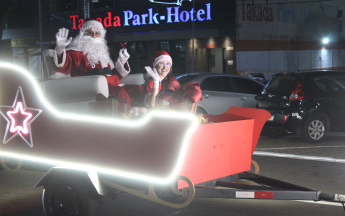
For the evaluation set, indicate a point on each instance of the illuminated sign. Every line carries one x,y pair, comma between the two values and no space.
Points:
172,15
178,2
19,118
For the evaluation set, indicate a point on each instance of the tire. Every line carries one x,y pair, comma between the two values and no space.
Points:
68,197
314,128
274,132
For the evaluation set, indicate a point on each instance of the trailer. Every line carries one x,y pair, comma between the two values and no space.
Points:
159,157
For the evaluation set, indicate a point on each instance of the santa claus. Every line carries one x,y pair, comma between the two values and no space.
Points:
88,54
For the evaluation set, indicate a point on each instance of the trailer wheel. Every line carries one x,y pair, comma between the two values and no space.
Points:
69,197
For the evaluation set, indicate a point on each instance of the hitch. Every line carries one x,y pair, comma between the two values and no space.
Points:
335,198
340,198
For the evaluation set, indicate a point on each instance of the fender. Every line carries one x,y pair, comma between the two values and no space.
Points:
91,186
322,112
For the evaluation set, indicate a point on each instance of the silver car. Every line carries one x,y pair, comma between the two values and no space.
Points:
221,91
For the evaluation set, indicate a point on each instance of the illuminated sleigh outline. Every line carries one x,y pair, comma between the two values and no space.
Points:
159,153
107,123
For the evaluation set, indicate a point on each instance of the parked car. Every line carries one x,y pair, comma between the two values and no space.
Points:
311,103
220,91
257,76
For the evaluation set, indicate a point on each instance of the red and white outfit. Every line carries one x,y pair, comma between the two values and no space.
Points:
174,93
139,94
80,57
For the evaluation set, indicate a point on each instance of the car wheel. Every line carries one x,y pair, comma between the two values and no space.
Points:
273,132
69,197
314,128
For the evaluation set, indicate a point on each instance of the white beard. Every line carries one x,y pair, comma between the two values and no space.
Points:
95,49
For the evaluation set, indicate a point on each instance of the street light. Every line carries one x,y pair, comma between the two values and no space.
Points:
325,41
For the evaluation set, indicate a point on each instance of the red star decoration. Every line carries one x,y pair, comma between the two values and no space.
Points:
19,114
19,119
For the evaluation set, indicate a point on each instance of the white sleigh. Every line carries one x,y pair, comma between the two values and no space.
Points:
73,94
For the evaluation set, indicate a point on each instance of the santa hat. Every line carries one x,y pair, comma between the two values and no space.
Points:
160,56
93,24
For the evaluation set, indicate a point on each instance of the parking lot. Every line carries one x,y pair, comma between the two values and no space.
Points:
333,147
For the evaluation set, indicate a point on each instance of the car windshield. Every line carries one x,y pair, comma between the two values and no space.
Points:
282,83
184,79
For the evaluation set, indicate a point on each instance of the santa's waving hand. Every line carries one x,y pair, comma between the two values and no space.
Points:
121,64
61,40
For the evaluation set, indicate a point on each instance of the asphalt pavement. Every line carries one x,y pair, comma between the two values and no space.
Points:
333,146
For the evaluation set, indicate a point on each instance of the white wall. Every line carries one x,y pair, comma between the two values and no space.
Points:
288,21
281,23
271,62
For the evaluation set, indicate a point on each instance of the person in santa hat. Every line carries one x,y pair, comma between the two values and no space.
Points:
88,54
145,95
161,67
161,84
170,90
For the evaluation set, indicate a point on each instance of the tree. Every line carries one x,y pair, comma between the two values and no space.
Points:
6,6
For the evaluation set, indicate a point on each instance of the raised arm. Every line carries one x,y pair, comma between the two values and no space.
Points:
121,64
150,99
61,43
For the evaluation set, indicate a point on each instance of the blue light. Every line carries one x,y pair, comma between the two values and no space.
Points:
128,16
199,13
184,16
176,13
173,16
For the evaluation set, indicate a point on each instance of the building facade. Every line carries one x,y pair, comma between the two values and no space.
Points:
147,27
275,36
226,36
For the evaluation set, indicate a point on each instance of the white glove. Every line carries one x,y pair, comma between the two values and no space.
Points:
155,76
61,40
123,55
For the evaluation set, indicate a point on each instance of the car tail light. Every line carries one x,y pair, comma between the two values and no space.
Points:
297,93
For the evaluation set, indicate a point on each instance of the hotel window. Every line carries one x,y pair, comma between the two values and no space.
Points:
67,5
165,45
21,17
102,4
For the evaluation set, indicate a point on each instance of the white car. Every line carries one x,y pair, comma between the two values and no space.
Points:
221,91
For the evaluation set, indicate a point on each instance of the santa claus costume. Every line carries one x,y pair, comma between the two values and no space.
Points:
139,94
86,55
